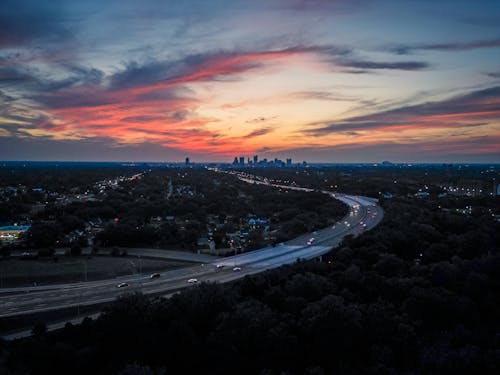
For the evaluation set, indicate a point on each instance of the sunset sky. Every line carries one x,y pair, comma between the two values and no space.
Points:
315,80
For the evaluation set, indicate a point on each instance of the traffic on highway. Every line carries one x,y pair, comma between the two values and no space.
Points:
364,214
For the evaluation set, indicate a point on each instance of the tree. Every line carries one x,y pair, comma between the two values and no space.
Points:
44,234
39,329
75,250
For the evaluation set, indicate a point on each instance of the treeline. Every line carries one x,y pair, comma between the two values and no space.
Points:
398,180
417,295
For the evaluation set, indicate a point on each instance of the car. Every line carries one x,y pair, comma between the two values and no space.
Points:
191,281
236,269
219,265
122,285
310,241
154,275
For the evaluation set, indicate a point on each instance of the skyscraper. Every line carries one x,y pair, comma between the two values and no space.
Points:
255,159
242,160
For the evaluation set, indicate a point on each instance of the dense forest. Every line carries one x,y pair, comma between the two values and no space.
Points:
419,294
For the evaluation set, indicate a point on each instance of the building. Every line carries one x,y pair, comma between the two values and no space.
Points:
187,162
255,159
235,161
242,160
11,233
288,162
421,194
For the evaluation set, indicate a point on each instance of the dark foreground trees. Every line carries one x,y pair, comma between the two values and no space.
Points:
406,298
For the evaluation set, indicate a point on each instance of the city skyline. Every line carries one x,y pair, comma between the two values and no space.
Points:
313,80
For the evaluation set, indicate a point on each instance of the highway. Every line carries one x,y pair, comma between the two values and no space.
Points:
364,214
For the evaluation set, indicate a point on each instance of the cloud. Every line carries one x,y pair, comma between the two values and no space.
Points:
444,47
149,102
322,95
365,65
257,120
456,112
259,132
31,21
264,149
493,74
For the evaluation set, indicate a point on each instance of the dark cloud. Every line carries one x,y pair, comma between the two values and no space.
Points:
330,96
210,66
141,119
337,6
366,64
135,74
76,76
476,104
5,98
15,75
351,133
78,97
264,149
451,46
79,85
259,132
493,74
83,86
257,120
26,21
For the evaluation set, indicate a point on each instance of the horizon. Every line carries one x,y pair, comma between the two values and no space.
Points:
294,164
320,81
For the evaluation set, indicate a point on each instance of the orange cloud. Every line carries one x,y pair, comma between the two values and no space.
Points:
155,112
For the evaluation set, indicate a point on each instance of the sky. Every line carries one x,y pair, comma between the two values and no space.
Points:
316,80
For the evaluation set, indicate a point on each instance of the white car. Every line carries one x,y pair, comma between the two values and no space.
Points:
236,269
310,242
154,275
191,281
122,285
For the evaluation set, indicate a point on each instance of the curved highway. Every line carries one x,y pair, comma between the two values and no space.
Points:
364,214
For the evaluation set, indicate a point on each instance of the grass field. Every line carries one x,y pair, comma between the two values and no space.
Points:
18,272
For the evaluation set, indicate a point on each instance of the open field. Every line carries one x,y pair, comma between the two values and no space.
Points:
19,272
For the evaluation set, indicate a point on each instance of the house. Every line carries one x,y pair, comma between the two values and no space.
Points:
11,233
